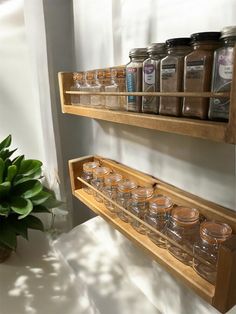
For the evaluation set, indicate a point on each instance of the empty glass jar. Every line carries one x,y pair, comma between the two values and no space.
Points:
75,99
85,87
112,102
124,189
212,234
97,182
157,216
138,206
87,174
110,190
183,228
98,85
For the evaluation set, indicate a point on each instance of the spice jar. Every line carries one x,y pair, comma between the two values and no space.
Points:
138,206
151,76
222,74
212,234
124,189
121,81
110,190
98,101
75,99
97,182
198,73
87,174
134,70
183,228
85,87
158,216
172,70
111,102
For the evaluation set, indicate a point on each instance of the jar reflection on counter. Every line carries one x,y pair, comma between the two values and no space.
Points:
87,174
124,189
212,234
183,228
134,70
172,70
138,206
151,76
222,74
110,190
198,73
97,182
158,216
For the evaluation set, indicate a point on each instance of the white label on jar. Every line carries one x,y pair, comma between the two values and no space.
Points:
149,74
226,71
197,65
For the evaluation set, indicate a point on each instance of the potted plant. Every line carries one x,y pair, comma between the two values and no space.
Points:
22,195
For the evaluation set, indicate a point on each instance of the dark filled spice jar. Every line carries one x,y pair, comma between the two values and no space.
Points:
134,71
172,70
198,73
222,74
151,76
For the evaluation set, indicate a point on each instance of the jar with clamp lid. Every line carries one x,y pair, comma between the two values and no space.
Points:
85,87
77,78
183,228
110,190
212,234
124,189
111,102
157,216
97,182
138,206
98,85
87,174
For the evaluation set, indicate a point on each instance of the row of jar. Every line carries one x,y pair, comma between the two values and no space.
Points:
201,63
195,240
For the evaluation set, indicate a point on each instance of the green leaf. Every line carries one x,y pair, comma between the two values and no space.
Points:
17,161
2,166
11,172
33,222
40,209
5,143
4,209
4,189
40,198
19,226
28,189
21,206
29,166
37,174
7,234
6,153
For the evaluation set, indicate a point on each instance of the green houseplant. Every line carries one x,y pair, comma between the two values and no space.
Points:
22,194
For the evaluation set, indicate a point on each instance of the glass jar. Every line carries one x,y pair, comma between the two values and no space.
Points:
158,216
222,74
121,81
212,234
183,228
151,76
98,85
134,70
87,174
110,190
111,102
75,99
124,189
85,87
97,182
198,73
138,206
172,72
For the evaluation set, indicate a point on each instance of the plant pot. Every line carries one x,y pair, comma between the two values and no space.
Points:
5,253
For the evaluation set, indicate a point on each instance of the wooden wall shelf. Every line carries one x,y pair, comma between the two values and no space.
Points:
223,295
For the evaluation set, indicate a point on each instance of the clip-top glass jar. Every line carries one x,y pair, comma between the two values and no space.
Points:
183,228
124,189
98,101
138,205
87,174
198,73
85,87
222,74
97,182
134,71
110,190
77,78
212,235
172,74
151,76
112,102
158,216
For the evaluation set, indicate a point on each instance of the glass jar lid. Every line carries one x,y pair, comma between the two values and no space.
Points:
90,166
182,41
138,52
228,31
215,232
160,204
185,215
113,179
156,48
126,186
142,193
205,36
101,172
